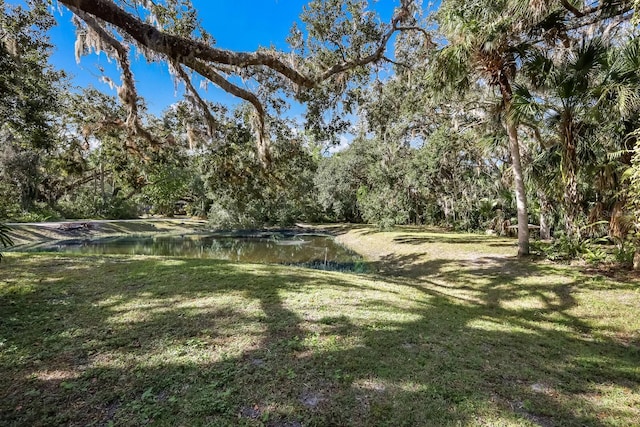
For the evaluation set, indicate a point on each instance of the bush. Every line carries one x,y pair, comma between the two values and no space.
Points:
86,204
382,207
593,251
40,213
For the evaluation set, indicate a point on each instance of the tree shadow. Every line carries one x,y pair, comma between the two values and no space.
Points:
27,234
94,340
457,239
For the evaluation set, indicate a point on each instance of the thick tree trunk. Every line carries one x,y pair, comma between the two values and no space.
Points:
572,199
516,164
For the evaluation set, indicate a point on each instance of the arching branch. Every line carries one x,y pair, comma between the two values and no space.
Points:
209,73
206,59
176,47
180,48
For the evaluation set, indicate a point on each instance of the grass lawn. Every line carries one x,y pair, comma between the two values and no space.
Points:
446,329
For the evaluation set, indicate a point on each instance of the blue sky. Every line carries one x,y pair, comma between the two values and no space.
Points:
235,24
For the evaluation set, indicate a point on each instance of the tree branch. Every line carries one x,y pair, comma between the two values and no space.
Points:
620,15
571,8
391,61
209,73
127,92
204,58
420,29
375,56
179,47
210,120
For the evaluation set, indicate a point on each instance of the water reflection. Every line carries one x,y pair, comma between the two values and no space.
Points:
306,249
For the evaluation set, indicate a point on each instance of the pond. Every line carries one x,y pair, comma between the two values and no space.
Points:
311,250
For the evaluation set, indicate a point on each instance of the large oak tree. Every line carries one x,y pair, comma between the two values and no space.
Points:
341,38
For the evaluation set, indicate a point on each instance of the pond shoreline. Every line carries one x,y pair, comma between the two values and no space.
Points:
303,246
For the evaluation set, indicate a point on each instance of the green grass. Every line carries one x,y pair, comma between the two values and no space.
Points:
449,330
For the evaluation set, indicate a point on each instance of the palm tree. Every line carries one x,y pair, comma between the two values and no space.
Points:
565,101
586,96
621,93
481,46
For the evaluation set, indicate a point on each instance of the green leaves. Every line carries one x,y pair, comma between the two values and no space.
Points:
28,84
525,106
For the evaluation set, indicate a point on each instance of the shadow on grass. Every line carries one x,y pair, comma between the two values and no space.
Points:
456,239
60,231
26,233
94,340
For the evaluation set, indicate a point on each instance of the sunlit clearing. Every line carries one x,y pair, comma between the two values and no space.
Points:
379,386
534,302
172,262
498,326
55,375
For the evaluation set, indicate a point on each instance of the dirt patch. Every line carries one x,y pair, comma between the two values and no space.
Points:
311,399
252,412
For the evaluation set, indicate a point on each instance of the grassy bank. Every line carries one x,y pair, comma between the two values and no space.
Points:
449,330
91,229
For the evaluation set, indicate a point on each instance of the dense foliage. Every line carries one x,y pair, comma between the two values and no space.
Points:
491,116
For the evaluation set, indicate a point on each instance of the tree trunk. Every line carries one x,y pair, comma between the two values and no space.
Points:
571,207
514,148
545,227
545,230
572,197
104,196
521,195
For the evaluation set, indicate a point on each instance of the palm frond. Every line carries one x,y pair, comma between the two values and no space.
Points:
626,61
627,174
536,66
543,166
589,55
451,68
524,106
621,89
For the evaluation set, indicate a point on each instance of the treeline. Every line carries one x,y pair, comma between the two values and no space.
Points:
496,115
86,171
67,153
